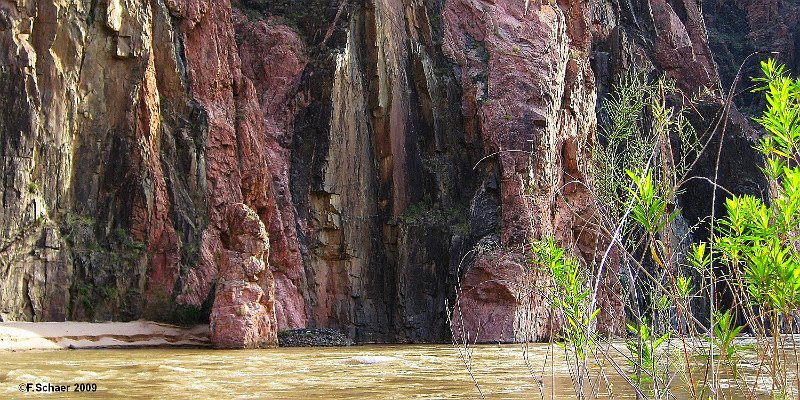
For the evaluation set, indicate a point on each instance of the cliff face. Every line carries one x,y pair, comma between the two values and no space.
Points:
281,164
128,132
738,28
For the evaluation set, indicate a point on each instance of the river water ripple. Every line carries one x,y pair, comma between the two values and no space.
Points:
359,372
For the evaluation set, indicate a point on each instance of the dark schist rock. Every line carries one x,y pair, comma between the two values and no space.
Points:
323,337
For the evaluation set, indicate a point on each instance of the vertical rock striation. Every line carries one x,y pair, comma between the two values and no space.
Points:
134,131
346,164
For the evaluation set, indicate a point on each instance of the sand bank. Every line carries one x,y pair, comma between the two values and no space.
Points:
86,335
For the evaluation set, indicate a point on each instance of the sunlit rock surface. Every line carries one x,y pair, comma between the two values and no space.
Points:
377,143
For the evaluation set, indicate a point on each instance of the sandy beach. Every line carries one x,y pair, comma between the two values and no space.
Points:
86,335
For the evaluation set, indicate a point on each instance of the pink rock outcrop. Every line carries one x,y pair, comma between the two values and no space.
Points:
501,299
243,315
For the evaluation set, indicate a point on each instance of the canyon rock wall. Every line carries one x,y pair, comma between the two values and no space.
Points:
283,164
738,28
129,130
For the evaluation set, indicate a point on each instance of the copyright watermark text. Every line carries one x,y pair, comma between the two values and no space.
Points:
46,387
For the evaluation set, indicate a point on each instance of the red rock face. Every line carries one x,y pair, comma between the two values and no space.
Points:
681,49
237,170
276,79
252,100
212,67
534,110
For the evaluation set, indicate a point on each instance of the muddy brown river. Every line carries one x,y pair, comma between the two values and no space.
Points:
359,372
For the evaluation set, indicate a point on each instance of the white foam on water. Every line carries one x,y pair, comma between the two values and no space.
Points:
369,360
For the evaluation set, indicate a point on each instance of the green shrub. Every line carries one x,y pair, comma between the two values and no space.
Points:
758,241
570,294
